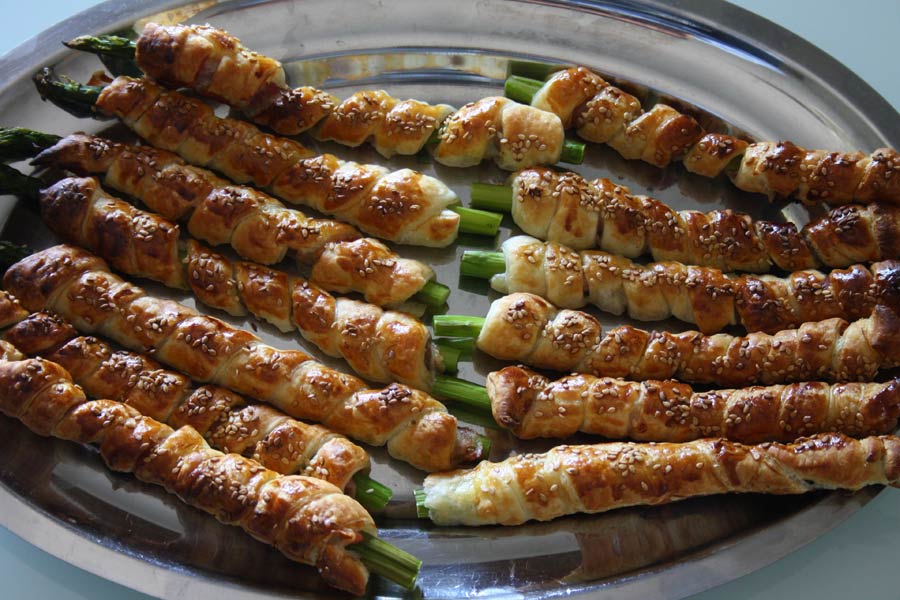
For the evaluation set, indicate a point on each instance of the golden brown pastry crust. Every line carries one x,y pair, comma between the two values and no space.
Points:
531,405
256,225
399,348
590,479
526,328
602,113
405,206
216,64
701,295
80,287
564,207
315,525
227,421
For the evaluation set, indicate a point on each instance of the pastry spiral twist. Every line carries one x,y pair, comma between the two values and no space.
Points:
603,113
307,519
226,420
526,328
257,226
566,208
531,405
216,64
591,479
78,286
402,206
700,295
380,345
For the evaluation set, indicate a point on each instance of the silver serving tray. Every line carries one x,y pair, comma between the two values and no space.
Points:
726,63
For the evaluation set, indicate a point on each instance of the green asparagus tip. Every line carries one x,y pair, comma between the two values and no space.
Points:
17,143
460,326
478,222
373,495
488,196
10,254
71,96
388,561
473,396
449,357
115,52
433,294
18,184
572,152
521,89
481,264
421,509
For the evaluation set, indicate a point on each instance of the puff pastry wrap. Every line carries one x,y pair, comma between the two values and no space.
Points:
256,225
566,208
309,520
531,406
214,63
381,345
701,295
79,287
526,328
603,113
402,206
591,479
226,420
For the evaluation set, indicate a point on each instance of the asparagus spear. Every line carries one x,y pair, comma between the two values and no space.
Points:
388,560
79,100
482,264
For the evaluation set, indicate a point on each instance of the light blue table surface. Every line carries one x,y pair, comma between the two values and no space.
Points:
858,559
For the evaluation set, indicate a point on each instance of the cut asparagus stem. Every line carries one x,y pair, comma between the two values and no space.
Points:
474,397
373,495
421,509
478,222
489,196
532,69
465,345
521,89
449,356
17,143
115,52
433,294
481,264
388,560
572,152
71,96
460,326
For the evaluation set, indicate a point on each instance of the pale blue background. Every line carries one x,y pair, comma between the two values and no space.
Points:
859,559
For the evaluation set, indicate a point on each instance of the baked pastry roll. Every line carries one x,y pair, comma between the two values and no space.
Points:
591,479
602,113
701,295
526,328
564,207
415,427
531,406
403,206
307,519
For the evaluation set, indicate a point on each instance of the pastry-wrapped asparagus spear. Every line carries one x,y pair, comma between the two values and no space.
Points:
403,206
566,208
603,113
307,519
225,419
256,225
73,283
213,63
381,345
701,295
526,328
591,479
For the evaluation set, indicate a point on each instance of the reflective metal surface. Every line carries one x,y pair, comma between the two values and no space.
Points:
739,69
